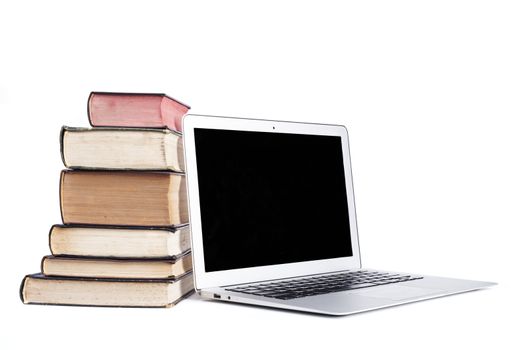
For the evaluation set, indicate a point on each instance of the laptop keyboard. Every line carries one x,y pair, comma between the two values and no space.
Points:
308,286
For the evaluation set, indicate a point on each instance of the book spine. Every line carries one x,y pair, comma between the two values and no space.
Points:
49,239
60,189
91,94
42,264
62,134
22,288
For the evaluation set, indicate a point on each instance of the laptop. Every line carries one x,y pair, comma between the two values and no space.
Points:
273,220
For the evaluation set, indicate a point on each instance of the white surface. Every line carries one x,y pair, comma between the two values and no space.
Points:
433,96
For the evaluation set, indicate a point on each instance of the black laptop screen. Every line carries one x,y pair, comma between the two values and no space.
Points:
270,198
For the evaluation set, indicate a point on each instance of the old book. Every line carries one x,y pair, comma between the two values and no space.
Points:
116,268
121,149
119,242
41,289
123,198
135,110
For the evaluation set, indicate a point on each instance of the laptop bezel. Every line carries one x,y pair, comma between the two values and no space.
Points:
205,279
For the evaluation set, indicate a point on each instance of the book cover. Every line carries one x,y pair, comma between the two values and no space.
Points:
117,292
128,198
105,148
143,110
69,266
133,242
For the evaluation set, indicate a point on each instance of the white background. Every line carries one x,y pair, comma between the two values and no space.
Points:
432,93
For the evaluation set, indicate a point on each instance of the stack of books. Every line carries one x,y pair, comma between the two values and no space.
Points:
124,240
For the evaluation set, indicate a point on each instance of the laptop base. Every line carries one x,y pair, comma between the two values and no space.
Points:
357,300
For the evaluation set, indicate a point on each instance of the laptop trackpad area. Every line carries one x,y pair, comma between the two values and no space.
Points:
394,292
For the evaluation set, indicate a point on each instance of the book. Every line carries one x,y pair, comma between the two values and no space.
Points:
135,110
121,149
129,198
41,289
119,242
125,238
116,268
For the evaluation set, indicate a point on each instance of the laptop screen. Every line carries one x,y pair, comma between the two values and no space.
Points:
270,198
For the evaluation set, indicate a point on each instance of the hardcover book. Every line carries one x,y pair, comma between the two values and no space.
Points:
116,268
123,198
121,149
135,110
119,242
125,239
41,289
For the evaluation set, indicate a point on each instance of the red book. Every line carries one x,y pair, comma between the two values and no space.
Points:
135,110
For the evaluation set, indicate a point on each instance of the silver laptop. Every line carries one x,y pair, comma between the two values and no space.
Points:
273,220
